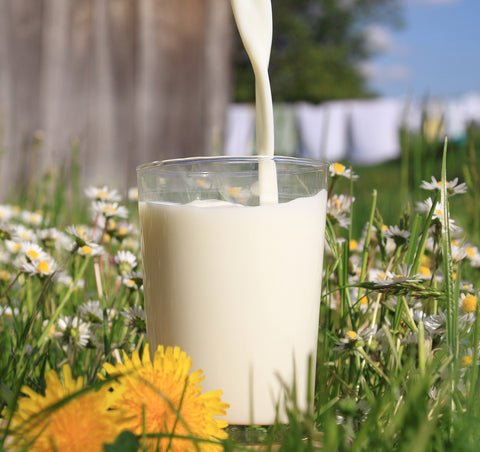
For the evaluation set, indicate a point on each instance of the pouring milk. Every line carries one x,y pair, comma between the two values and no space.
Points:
254,22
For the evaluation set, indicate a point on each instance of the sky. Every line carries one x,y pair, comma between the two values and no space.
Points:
436,52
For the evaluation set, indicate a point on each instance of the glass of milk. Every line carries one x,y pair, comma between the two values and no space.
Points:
234,283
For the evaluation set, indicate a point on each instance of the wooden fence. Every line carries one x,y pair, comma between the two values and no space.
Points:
130,80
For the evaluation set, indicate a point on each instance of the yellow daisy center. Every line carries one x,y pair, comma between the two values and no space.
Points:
364,300
339,168
32,254
86,249
351,334
469,304
470,252
5,275
425,271
353,245
467,361
43,267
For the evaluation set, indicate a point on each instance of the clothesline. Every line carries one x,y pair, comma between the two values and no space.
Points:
363,131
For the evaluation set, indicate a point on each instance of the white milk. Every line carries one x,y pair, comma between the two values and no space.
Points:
238,288
254,23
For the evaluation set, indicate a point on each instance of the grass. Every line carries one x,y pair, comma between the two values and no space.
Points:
398,349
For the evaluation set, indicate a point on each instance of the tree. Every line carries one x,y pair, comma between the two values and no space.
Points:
317,46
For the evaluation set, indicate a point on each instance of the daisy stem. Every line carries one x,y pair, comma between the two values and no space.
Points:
367,243
421,348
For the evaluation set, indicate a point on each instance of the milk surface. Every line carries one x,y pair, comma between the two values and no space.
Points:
238,288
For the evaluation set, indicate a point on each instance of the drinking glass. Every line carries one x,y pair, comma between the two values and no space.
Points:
234,283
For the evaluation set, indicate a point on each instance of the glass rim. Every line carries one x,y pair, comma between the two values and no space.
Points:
311,163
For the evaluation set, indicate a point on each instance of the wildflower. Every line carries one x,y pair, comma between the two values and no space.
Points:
400,236
43,266
102,194
13,246
132,194
72,331
435,324
91,311
63,418
50,237
426,205
90,249
386,278
126,261
337,169
6,212
32,251
458,252
109,209
32,218
7,312
452,186
163,397
338,206
353,339
65,279
81,234
135,318
22,233
133,281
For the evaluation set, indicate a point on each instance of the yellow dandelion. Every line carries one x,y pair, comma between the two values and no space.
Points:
167,400
83,422
469,304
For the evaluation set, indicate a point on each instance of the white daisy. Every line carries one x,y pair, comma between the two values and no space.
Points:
91,311
338,169
102,193
32,218
132,194
452,186
72,331
44,266
6,212
126,261
109,209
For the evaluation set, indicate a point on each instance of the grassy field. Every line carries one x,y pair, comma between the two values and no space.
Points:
398,348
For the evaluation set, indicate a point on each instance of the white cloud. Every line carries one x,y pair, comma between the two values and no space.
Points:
380,39
376,72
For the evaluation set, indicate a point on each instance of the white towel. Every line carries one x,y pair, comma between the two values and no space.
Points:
239,130
334,145
309,119
472,107
323,130
456,119
375,130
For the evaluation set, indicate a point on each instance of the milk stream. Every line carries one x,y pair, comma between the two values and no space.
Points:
254,23
238,288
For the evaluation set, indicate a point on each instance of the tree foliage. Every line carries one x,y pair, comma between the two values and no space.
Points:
316,50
